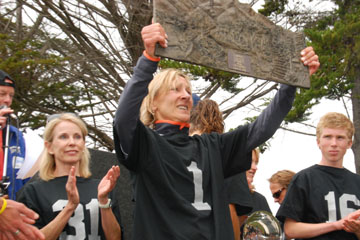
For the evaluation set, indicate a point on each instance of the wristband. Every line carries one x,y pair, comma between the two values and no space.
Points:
3,206
154,59
106,205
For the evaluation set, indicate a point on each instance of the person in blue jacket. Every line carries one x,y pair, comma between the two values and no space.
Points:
16,150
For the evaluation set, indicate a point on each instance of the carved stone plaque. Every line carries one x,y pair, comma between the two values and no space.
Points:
231,36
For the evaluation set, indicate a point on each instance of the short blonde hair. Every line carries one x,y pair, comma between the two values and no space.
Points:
47,164
335,120
282,177
163,81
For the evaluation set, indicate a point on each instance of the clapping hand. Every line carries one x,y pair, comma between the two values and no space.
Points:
108,183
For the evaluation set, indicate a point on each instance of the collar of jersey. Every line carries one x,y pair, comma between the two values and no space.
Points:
168,126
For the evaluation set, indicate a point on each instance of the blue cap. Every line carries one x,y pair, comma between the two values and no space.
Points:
195,98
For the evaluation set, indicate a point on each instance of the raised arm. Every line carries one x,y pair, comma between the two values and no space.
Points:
127,114
270,119
109,223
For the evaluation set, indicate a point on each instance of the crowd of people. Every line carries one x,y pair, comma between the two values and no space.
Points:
190,179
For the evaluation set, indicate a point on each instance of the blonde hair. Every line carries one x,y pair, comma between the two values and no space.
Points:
47,164
335,120
256,153
163,81
282,177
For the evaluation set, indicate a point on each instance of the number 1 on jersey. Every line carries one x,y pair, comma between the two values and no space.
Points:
198,203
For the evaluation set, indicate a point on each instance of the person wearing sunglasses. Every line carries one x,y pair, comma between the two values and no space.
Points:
279,183
70,203
323,201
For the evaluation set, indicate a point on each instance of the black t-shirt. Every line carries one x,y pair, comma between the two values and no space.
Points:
180,182
48,198
238,193
259,203
322,194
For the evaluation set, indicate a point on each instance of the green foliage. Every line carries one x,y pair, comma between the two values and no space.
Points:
335,37
270,7
40,88
338,47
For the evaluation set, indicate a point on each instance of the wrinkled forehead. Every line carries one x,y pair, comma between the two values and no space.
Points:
175,82
7,89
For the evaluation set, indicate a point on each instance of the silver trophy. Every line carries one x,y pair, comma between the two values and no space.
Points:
262,225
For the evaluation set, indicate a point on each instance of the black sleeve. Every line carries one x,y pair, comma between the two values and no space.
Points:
127,113
294,203
236,158
270,119
260,203
236,146
238,193
29,198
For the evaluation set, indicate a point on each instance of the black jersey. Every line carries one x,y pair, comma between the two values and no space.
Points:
179,182
238,193
322,194
48,198
259,203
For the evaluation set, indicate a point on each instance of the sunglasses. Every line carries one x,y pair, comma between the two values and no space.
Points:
278,193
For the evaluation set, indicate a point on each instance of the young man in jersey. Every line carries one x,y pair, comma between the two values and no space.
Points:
322,201
16,150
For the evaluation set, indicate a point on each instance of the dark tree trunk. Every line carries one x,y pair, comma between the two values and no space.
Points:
355,98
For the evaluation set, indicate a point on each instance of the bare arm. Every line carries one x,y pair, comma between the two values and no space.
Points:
294,229
235,221
109,223
53,229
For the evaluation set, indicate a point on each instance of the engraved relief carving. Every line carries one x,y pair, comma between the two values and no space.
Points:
230,36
